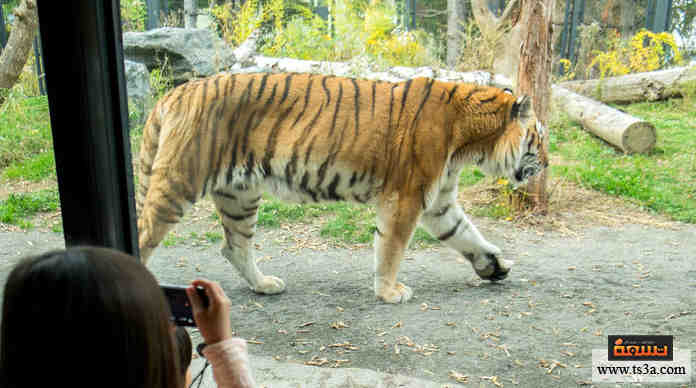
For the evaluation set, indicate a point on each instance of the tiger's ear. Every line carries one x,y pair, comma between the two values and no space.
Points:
522,110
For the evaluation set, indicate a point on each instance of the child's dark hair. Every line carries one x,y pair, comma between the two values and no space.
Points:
185,348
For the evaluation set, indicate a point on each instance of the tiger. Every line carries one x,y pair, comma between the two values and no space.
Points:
309,138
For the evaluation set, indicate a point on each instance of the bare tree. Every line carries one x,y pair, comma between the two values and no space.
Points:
456,11
525,56
508,49
15,54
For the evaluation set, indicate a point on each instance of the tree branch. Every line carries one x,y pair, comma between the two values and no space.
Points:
15,54
507,13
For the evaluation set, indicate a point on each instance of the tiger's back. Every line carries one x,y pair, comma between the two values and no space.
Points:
306,138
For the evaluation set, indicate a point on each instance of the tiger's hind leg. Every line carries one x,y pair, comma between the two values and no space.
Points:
238,210
446,220
163,207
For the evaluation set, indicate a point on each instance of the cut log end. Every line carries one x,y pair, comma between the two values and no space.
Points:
639,137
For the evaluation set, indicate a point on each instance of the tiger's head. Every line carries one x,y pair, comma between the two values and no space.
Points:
519,152
531,156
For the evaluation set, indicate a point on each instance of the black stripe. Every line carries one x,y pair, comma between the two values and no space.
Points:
288,81
451,231
247,130
225,195
428,89
442,96
183,191
245,235
451,93
308,152
404,96
532,138
291,168
379,232
487,100
262,87
273,139
356,100
304,186
358,199
250,209
233,160
257,199
249,164
332,188
162,218
338,106
353,179
236,217
374,96
326,90
442,211
217,88
308,92
174,204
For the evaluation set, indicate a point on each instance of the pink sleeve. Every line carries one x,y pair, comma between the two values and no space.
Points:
230,363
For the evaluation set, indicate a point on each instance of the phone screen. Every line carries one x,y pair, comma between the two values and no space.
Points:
179,305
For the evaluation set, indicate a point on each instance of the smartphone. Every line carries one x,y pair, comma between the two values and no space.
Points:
179,304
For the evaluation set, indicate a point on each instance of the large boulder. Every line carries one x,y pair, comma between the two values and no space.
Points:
138,88
137,80
190,53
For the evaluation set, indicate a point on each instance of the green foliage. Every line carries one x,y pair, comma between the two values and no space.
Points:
26,150
663,180
133,15
161,80
18,207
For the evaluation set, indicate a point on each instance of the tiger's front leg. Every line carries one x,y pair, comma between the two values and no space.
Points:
396,221
446,220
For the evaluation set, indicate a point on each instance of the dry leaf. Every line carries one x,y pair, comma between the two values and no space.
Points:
460,378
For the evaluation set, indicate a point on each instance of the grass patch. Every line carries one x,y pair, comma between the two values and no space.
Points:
341,221
26,150
663,180
18,207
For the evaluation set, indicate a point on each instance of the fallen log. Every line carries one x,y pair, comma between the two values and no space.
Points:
650,86
629,133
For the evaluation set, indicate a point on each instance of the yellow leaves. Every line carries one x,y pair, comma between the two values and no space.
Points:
644,52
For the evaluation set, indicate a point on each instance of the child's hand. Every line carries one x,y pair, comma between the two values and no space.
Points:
213,321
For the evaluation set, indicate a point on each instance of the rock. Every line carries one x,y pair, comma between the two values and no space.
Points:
138,88
137,80
190,53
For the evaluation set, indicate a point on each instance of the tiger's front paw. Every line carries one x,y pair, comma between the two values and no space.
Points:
397,294
270,285
489,266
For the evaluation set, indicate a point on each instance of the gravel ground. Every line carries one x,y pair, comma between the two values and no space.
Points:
537,328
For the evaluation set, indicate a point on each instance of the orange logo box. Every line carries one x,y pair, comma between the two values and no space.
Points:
641,347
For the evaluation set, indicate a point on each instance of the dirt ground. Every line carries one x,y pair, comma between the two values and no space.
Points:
574,282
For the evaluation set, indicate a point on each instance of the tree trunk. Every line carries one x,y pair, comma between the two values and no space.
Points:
189,14
15,54
626,132
456,9
650,86
534,79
